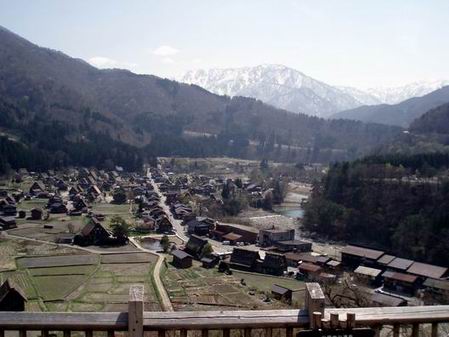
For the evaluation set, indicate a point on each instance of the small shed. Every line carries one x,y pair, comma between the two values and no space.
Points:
281,293
367,275
181,259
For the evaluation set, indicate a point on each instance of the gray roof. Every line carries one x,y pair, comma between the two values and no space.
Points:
180,254
437,284
362,252
279,289
368,271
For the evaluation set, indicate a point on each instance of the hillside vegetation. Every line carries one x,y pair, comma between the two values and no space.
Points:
57,104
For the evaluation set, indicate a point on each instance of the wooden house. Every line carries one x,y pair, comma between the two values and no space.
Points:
245,259
210,261
438,289
309,271
36,214
8,222
93,234
164,225
293,245
268,237
37,187
12,298
354,256
181,259
400,282
274,264
368,276
58,208
195,246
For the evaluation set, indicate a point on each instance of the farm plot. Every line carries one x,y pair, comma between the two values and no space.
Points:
197,288
57,261
128,258
23,280
108,288
36,230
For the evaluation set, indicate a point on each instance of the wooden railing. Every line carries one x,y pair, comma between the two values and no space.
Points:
267,323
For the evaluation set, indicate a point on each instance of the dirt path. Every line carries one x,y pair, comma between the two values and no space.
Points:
165,299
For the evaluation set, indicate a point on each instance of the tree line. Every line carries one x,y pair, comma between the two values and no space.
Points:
386,202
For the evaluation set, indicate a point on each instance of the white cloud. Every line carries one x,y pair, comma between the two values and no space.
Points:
106,62
197,60
165,51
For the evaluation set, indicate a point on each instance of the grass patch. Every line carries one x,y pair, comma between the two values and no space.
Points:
63,271
57,287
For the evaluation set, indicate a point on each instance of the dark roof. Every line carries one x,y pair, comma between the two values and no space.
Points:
195,244
180,254
274,260
309,267
8,286
307,257
427,270
244,257
399,263
277,289
400,277
386,259
362,252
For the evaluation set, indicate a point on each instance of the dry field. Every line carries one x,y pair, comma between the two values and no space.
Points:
197,288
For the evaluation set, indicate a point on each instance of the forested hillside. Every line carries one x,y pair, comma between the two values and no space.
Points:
396,200
45,93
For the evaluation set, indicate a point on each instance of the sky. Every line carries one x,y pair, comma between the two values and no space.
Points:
361,43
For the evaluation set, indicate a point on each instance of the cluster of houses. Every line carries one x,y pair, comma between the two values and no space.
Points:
395,274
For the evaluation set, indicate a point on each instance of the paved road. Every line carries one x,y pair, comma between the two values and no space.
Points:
178,228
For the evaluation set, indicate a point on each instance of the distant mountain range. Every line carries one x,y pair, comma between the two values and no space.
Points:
292,90
401,114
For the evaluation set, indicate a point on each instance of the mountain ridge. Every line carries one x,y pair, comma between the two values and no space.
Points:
293,90
401,114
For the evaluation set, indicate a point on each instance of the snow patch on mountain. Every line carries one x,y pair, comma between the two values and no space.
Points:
290,89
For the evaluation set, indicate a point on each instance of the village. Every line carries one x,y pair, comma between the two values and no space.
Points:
76,240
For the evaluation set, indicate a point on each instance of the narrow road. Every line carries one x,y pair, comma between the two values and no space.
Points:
165,299
179,229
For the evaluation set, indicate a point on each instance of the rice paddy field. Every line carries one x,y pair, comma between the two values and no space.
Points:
61,279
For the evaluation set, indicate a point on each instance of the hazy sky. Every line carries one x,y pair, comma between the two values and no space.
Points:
348,42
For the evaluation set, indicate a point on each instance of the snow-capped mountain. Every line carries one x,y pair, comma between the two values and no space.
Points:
292,90
394,95
279,86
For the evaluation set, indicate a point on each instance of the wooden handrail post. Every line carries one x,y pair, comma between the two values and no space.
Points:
314,301
135,311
